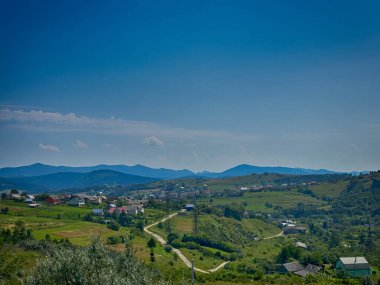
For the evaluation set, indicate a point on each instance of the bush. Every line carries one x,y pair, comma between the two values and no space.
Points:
168,248
113,240
113,226
171,237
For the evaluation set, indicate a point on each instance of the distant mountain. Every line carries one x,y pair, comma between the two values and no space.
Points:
64,180
39,169
245,169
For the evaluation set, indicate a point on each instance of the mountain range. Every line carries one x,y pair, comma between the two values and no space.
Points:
39,169
66,180
42,177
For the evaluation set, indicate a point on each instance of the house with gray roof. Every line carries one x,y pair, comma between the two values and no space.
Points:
356,266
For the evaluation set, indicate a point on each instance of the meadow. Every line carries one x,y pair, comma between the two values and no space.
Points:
258,201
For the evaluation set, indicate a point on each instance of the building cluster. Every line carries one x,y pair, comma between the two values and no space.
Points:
75,199
178,194
351,266
290,227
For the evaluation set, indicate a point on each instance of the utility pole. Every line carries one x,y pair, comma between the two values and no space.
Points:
192,272
195,220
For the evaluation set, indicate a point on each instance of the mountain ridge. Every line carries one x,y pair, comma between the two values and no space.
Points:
66,180
39,169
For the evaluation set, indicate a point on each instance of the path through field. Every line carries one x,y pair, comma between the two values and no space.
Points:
177,251
278,235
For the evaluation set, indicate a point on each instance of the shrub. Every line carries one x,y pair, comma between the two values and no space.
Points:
113,240
113,226
168,248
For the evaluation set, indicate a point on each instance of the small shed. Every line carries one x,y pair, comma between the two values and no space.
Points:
300,244
189,207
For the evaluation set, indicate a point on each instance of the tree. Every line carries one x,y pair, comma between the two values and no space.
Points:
93,264
288,252
151,243
5,210
140,226
171,237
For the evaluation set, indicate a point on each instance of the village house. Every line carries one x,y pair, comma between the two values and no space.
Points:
53,200
129,210
76,202
291,267
297,268
15,197
354,266
309,269
96,200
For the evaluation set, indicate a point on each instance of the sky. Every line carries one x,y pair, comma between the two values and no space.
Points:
201,85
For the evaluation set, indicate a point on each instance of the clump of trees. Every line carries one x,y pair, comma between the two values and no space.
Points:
205,241
94,264
20,233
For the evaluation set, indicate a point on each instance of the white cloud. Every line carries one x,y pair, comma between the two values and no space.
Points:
42,121
154,141
47,147
80,144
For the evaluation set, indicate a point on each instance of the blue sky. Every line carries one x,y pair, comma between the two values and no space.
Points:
190,84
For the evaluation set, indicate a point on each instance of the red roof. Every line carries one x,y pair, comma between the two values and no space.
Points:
111,210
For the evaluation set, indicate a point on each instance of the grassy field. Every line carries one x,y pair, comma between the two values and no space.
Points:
329,189
256,200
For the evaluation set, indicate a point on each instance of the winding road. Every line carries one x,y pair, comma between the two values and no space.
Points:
176,250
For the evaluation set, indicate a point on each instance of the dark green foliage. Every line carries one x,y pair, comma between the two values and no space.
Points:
168,248
88,218
113,226
151,243
233,210
287,253
171,237
206,241
4,211
114,240
20,233
10,267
